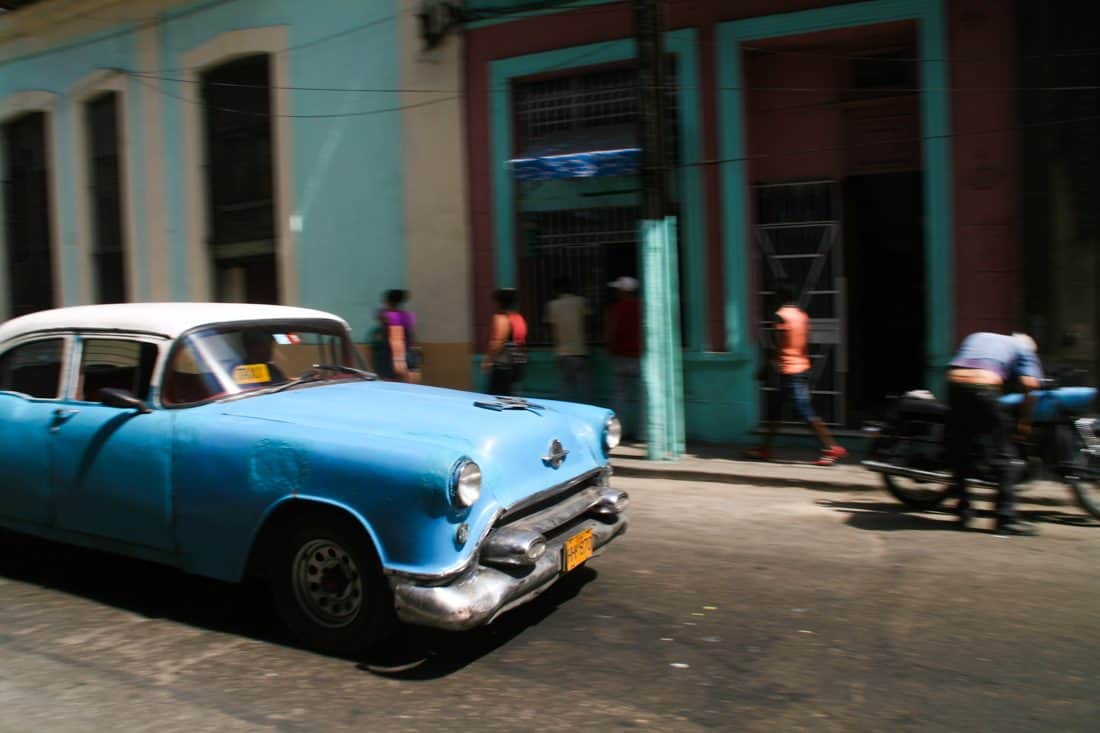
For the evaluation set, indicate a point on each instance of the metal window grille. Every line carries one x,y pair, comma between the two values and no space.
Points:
590,247
586,101
798,236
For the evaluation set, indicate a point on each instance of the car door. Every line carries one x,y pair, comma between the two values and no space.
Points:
112,465
31,374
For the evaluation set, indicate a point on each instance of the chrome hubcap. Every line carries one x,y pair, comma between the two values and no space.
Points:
327,583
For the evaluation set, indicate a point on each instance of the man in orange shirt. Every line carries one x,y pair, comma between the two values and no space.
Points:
790,358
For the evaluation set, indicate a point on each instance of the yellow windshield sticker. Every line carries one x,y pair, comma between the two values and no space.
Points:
251,374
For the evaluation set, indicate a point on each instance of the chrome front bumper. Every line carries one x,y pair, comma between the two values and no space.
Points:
483,591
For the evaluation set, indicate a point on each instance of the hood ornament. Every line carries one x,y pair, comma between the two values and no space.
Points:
501,403
557,454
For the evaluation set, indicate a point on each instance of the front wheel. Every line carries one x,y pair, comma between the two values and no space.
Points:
1083,475
916,495
328,585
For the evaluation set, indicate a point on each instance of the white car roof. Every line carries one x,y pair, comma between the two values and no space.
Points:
167,319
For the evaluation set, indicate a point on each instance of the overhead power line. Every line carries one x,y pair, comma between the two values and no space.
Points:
146,82
300,116
667,87
893,141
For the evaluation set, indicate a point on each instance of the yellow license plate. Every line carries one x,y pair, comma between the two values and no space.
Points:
578,548
251,374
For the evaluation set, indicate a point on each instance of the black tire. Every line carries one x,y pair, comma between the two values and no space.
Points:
328,586
1083,475
916,495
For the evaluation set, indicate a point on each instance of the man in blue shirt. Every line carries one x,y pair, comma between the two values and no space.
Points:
983,366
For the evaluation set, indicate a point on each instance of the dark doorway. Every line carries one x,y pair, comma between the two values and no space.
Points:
27,212
101,116
239,179
884,252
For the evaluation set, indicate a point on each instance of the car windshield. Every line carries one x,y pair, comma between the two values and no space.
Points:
223,361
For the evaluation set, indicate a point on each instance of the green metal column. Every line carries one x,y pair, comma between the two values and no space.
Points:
662,379
662,367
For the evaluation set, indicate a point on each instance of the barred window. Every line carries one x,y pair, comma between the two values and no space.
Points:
27,214
105,186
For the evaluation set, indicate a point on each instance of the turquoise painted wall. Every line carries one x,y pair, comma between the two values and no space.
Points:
56,72
346,147
346,169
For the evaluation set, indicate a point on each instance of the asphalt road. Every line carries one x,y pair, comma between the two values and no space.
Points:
732,607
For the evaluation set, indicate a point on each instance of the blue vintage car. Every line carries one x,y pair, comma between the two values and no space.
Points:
230,440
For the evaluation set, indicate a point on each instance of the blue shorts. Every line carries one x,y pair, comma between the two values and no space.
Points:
794,389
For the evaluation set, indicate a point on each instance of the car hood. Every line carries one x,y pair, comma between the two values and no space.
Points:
509,444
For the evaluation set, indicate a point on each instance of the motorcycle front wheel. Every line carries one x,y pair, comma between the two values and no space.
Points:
1083,476
916,495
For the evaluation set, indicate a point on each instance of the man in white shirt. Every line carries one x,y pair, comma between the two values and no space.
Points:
565,313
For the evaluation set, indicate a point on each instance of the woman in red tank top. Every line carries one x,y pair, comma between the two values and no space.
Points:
506,357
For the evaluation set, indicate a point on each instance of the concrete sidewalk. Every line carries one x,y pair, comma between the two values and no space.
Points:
723,464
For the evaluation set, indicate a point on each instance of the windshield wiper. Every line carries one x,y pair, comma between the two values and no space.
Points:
363,373
316,372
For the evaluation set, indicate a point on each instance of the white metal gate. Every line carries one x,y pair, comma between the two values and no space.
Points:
798,237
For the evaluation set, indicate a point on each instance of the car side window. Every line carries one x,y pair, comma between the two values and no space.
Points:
34,368
115,363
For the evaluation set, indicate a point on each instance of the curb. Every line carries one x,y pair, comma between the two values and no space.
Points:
841,480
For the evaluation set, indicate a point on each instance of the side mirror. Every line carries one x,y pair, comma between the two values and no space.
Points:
113,397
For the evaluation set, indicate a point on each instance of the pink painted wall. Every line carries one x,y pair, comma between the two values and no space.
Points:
575,28
793,135
986,170
983,117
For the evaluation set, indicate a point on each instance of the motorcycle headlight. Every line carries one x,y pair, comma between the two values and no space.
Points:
465,483
612,433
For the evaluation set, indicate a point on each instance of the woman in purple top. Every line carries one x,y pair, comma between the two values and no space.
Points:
400,325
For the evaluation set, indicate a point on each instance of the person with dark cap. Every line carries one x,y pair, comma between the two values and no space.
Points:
977,422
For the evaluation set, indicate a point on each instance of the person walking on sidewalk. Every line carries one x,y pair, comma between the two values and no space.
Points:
506,358
565,313
401,348
984,364
624,344
789,356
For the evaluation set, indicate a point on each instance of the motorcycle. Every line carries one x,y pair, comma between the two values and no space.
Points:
910,453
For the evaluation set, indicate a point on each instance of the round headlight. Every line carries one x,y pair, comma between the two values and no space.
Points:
467,484
612,433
